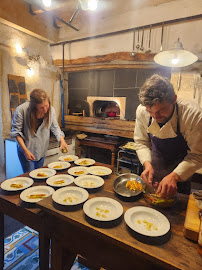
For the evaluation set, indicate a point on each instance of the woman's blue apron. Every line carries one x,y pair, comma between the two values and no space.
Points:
167,154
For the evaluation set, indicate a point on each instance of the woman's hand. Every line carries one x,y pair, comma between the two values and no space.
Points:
147,174
29,155
63,144
168,185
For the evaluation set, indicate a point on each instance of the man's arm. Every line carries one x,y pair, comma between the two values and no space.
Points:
191,129
143,144
141,138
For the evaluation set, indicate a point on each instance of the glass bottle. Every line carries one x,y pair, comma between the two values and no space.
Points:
200,234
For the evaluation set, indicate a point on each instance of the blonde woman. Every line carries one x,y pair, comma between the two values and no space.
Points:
31,126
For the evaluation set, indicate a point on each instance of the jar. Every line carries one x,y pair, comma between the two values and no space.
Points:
200,234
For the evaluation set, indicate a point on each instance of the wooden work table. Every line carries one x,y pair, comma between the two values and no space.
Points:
28,214
99,142
111,245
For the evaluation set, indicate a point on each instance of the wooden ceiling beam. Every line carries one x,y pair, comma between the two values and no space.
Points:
15,13
108,58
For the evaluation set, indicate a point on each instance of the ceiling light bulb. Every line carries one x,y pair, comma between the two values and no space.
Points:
30,72
18,48
47,3
92,4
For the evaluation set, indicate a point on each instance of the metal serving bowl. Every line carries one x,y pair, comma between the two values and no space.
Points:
120,185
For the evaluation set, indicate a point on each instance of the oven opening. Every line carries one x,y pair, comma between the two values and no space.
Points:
106,109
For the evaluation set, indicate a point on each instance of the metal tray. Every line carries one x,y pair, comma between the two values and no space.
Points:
120,185
127,149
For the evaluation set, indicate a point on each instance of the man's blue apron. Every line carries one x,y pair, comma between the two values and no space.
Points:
167,154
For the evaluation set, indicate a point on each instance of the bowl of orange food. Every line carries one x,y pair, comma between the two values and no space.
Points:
128,185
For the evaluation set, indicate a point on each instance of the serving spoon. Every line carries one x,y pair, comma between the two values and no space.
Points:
142,48
132,54
149,48
138,44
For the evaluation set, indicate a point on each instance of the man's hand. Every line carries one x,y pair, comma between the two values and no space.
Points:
29,155
168,185
147,174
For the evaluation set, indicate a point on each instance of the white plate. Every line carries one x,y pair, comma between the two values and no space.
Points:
89,181
70,195
68,179
48,173
135,216
78,171
69,158
99,170
34,191
103,209
62,165
84,162
25,181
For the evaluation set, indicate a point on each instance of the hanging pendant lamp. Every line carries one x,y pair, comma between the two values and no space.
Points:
176,57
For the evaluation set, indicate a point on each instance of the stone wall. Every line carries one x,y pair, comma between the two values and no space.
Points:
188,85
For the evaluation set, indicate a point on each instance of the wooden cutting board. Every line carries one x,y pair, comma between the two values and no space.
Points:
192,222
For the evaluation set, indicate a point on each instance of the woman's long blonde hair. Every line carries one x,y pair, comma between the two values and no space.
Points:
37,96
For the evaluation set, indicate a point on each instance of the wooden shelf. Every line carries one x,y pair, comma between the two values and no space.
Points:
115,127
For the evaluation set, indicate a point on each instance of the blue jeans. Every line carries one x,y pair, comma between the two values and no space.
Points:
27,165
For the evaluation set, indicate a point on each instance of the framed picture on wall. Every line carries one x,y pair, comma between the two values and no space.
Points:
17,91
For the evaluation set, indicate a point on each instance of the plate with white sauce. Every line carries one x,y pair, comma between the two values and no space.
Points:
68,158
42,173
60,180
147,221
17,183
84,162
35,194
99,170
59,165
70,196
103,209
78,171
89,181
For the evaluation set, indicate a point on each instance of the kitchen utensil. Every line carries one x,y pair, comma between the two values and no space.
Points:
120,188
196,81
161,48
138,40
179,81
149,49
142,48
132,54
